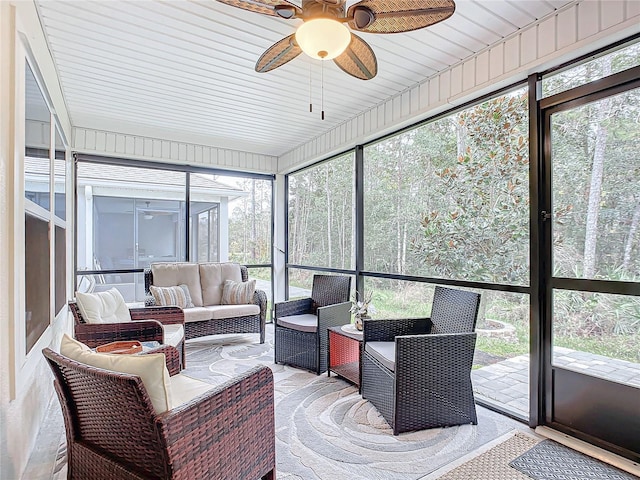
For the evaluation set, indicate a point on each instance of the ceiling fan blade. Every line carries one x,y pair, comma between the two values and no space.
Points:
277,8
393,16
278,54
358,59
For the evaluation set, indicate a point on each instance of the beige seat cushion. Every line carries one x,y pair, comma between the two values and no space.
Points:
303,323
199,314
384,352
230,311
103,307
173,334
185,389
212,277
171,274
151,369
196,314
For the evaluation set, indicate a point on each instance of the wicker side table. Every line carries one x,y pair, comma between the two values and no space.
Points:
343,354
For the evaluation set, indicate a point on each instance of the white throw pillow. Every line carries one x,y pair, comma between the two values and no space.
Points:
151,369
103,307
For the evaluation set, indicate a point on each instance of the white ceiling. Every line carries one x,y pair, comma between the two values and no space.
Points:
184,70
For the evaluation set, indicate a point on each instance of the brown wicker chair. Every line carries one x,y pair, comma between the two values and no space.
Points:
146,326
113,432
417,372
301,325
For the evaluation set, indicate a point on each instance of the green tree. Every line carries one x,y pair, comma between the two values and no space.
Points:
477,228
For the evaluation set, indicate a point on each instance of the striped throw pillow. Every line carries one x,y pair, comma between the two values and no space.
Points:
238,293
175,296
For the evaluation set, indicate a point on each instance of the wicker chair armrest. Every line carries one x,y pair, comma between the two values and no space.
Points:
203,435
293,307
260,299
172,357
386,330
333,315
94,334
164,315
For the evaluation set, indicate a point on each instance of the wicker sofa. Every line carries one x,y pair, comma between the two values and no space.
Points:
205,282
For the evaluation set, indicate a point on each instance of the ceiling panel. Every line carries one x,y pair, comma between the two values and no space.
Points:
186,68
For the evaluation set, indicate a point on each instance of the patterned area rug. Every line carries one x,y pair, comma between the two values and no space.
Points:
325,430
549,460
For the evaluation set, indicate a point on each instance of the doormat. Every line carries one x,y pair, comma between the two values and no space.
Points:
490,462
549,460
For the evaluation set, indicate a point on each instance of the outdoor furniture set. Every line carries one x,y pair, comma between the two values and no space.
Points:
136,416
416,372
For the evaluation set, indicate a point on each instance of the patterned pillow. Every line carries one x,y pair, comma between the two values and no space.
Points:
172,296
238,293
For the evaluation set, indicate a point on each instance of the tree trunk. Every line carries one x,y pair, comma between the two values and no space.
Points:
400,185
253,220
633,229
327,191
460,137
595,189
293,229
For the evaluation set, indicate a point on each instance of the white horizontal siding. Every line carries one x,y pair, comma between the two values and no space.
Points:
567,33
97,142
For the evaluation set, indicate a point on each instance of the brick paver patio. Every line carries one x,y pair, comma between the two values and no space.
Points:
506,383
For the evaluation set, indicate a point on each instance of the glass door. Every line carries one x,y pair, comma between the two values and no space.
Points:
591,227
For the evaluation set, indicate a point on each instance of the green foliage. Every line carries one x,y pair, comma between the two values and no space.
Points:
450,199
478,226
250,223
623,347
391,305
499,347
575,133
320,214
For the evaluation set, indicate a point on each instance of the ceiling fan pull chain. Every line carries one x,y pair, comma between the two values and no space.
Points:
322,88
310,90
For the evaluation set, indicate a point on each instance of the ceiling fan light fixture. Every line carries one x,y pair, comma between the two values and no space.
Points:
323,38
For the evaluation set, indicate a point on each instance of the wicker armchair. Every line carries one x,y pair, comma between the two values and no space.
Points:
417,372
301,325
113,432
146,326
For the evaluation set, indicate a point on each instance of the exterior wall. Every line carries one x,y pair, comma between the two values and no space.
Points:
570,32
25,380
147,148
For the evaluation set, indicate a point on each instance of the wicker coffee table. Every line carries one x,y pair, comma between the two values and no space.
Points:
343,354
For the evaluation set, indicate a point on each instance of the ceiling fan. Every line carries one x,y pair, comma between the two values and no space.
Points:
324,34
150,212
